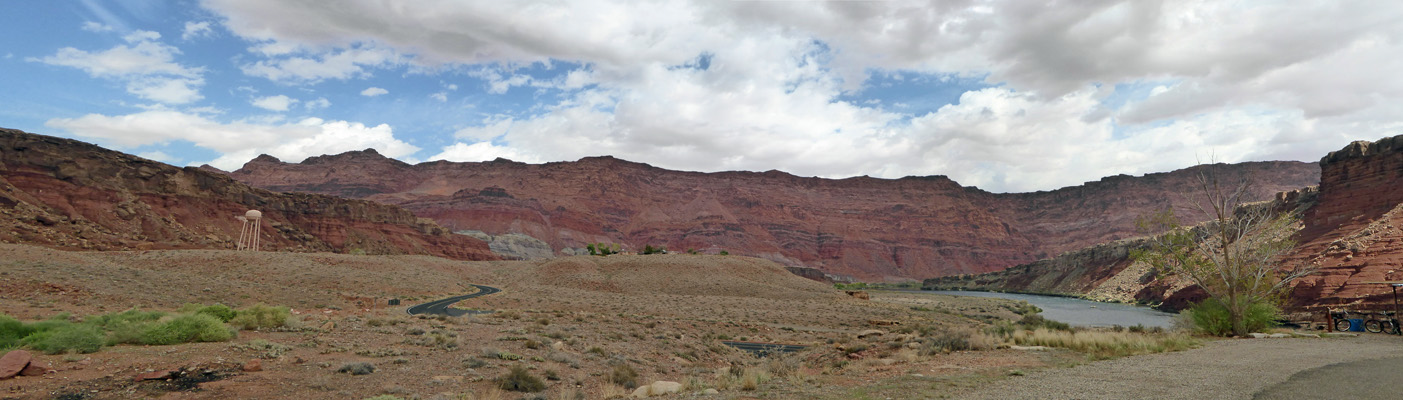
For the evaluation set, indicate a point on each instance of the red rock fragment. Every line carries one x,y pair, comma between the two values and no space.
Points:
35,368
13,362
253,365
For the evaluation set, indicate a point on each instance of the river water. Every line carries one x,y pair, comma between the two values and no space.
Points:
1078,312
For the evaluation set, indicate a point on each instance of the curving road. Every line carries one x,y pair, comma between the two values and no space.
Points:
440,307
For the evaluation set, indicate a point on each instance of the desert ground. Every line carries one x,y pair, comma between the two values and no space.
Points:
586,327
570,321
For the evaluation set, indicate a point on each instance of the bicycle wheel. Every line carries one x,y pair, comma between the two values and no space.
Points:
1373,326
1390,327
1341,325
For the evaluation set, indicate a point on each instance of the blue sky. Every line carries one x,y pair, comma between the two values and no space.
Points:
1008,96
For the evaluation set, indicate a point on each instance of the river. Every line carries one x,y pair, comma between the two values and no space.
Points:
1078,312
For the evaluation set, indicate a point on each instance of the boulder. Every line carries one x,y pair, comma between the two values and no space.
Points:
13,363
657,388
253,365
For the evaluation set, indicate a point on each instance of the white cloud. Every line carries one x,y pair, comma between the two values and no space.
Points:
319,103
91,26
148,67
194,30
274,103
343,64
440,96
157,156
481,151
238,141
373,91
1254,79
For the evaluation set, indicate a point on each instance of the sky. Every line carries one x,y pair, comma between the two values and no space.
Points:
1009,96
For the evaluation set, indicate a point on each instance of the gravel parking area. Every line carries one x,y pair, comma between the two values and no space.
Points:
1223,369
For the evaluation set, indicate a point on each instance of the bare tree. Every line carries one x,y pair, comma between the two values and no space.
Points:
1235,255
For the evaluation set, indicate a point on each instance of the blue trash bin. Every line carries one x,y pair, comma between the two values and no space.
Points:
1356,324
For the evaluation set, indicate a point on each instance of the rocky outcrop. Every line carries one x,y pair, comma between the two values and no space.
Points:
70,194
1355,234
867,228
1352,232
513,246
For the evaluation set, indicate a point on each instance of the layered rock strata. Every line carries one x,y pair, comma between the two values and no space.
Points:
865,228
74,195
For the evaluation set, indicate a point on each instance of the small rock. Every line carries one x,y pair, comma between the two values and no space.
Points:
253,365
35,368
1259,335
1030,348
711,391
886,361
869,333
1279,335
13,362
329,325
153,376
657,388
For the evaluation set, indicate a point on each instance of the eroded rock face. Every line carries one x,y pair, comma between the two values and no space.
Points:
513,246
1355,233
870,229
69,194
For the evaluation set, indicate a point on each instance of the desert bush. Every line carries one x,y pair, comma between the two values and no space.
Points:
752,378
624,375
266,349
260,316
81,338
223,312
1035,321
186,328
519,380
1105,344
1211,317
11,331
947,341
357,368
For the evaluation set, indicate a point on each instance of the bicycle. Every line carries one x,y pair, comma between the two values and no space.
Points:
1388,324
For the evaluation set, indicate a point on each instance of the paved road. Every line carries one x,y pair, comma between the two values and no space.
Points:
763,349
440,307
1221,369
1368,379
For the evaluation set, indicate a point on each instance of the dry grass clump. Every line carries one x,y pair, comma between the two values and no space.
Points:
1105,344
519,380
624,375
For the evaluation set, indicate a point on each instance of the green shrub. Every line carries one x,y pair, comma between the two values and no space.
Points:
1211,317
186,328
357,368
132,316
62,338
624,375
1035,321
223,312
11,331
519,380
947,341
261,316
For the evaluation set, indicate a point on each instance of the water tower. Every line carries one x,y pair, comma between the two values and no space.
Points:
248,234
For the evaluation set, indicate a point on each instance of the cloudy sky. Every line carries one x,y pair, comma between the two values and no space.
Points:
1006,95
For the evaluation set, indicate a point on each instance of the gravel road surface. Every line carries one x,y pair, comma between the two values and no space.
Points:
1222,369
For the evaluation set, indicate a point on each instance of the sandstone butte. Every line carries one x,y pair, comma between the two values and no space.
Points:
69,194
865,228
1352,230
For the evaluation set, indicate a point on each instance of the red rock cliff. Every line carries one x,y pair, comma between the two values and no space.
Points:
872,229
69,194
1353,233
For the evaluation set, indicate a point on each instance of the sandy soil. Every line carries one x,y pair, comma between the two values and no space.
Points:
572,319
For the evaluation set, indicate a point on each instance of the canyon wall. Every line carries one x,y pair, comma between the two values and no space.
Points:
865,228
74,195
